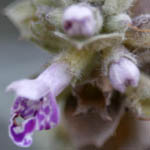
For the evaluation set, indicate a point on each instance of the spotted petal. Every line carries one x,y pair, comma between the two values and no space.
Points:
37,115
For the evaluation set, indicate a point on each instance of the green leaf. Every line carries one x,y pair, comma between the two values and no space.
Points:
21,13
97,42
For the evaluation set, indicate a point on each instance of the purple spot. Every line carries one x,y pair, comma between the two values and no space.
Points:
47,126
41,127
47,110
40,117
67,25
30,126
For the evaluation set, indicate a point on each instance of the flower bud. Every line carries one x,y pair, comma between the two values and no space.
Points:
81,20
123,73
118,23
142,21
138,36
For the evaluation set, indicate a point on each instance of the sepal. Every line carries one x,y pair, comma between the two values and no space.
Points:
138,99
112,7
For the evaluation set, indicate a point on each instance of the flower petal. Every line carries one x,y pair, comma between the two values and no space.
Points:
42,114
31,89
21,136
48,114
55,78
25,107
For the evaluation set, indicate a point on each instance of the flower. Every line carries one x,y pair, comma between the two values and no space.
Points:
79,20
98,28
123,73
36,103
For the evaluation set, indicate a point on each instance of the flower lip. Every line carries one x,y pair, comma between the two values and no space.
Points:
37,115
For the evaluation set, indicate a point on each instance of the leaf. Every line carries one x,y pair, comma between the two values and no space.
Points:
97,42
21,13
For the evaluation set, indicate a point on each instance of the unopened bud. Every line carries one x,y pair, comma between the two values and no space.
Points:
123,73
138,36
81,20
142,21
118,23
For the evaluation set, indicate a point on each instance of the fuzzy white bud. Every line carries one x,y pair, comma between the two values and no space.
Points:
123,73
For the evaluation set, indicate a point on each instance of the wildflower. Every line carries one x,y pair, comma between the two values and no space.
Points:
36,103
53,26
123,73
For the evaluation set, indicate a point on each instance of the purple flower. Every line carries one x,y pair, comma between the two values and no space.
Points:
36,104
78,20
123,73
